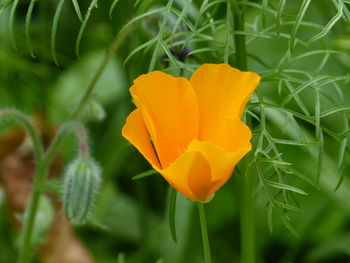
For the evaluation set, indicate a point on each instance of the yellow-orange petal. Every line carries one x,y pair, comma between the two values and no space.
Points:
202,169
221,91
170,111
136,133
232,134
222,162
190,174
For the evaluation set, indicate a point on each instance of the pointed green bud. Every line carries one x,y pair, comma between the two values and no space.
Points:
81,184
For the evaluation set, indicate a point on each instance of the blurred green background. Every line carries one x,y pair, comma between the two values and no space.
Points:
300,119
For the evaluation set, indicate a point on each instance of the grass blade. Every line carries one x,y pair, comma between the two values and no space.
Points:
92,5
287,207
181,16
139,48
54,31
77,10
279,16
297,23
11,23
114,4
144,174
329,26
172,213
286,221
27,27
285,187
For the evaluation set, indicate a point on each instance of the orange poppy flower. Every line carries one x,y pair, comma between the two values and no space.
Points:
190,131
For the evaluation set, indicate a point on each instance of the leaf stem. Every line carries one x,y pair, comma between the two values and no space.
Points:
204,232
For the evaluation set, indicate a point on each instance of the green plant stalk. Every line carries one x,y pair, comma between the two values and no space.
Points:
247,217
42,169
247,208
239,39
23,120
29,217
204,232
119,39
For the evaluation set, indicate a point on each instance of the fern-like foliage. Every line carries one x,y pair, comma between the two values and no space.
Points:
298,89
301,102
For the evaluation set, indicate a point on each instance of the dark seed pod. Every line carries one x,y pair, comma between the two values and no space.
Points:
81,184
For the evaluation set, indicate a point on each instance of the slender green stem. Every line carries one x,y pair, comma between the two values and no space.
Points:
113,48
25,121
240,45
29,217
247,219
80,133
42,169
247,208
204,232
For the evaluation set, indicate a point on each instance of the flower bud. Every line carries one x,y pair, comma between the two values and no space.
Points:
81,183
93,111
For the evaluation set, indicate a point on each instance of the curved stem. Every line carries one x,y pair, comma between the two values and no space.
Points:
42,169
23,120
80,132
204,232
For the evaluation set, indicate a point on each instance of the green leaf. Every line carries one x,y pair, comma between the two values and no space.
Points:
296,143
172,213
291,170
287,207
92,5
142,16
114,4
341,163
269,217
285,187
27,27
279,16
144,174
54,30
329,26
296,24
77,10
11,23
286,221
181,16
139,48
265,4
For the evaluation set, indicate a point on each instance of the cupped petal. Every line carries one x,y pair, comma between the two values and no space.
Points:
170,110
202,169
136,133
190,174
232,134
222,163
221,91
